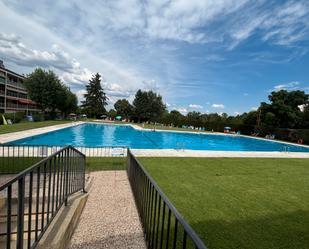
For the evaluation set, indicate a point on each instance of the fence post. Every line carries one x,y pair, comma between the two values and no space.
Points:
20,214
67,158
83,173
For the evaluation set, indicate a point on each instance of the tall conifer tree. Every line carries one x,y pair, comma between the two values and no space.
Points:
95,98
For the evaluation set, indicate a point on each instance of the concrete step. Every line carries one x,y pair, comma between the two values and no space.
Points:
3,220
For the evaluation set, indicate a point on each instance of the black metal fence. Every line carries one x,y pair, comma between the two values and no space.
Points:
15,158
163,226
30,200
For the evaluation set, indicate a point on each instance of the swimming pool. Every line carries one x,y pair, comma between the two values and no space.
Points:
98,135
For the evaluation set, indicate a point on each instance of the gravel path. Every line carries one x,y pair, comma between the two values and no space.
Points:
110,218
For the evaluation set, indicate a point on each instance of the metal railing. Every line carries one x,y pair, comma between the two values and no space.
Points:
30,201
16,84
15,158
163,225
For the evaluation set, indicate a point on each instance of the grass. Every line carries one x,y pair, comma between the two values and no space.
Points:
10,165
232,202
28,125
239,203
159,127
105,163
16,165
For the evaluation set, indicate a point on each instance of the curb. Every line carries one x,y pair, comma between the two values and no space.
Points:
60,231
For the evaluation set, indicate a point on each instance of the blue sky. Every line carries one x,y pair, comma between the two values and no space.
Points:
207,56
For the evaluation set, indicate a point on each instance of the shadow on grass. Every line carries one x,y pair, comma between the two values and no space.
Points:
286,231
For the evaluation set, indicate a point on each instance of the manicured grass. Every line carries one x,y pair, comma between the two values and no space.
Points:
168,128
28,125
10,165
16,165
239,203
105,163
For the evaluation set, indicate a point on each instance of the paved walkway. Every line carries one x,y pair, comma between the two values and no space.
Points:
209,153
8,137
110,218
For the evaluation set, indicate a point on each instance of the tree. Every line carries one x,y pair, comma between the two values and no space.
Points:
69,102
194,118
305,117
148,106
123,108
95,98
46,89
285,107
112,113
176,118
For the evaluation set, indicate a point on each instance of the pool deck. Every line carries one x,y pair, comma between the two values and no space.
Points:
208,153
9,137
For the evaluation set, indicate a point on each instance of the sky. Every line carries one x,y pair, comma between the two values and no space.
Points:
200,55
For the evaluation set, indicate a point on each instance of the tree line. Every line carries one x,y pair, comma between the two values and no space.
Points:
286,109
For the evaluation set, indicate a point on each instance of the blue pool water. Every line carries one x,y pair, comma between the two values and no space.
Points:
97,135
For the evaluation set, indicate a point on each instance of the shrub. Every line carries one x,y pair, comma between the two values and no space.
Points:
38,117
14,117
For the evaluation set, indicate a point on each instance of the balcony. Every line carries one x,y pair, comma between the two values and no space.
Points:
1,105
21,107
16,95
16,84
2,80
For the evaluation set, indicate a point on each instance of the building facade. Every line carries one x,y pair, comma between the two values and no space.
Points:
13,94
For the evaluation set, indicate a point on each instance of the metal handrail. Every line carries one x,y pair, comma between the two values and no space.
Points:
29,169
143,186
15,158
46,186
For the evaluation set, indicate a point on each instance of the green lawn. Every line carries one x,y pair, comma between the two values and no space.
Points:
28,125
231,202
16,165
239,203
105,163
10,165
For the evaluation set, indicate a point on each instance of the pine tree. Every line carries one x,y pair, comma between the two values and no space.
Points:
95,98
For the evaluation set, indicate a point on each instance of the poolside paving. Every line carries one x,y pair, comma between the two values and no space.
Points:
110,218
9,137
209,153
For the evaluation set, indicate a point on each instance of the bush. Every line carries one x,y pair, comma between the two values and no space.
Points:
292,135
14,117
37,117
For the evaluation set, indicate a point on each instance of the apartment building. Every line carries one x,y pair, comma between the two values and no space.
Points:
13,94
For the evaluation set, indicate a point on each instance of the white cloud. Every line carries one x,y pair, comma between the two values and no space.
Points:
195,106
254,108
302,107
237,113
182,110
192,21
293,85
219,106
96,36
69,68
80,94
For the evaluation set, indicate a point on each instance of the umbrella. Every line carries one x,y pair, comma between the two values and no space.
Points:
118,117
